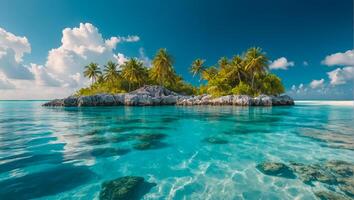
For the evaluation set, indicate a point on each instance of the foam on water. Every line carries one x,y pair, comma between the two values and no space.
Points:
36,140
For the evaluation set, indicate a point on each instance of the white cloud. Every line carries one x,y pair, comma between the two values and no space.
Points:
346,58
12,68
6,84
301,86
130,38
12,49
80,46
62,73
293,87
281,63
317,84
120,58
19,45
145,59
341,76
325,92
43,77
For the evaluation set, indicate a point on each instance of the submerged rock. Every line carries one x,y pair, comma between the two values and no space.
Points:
149,145
311,173
276,169
333,173
158,95
97,140
334,139
215,140
108,152
151,136
125,188
340,168
348,187
326,195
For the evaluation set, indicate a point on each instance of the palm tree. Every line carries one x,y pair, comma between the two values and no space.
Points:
223,62
134,72
255,62
210,73
92,71
162,70
197,67
110,71
237,66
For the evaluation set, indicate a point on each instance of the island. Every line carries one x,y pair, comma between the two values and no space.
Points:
244,80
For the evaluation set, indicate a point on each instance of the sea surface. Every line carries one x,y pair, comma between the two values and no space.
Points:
200,152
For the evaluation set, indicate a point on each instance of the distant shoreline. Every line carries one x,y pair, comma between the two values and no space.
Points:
326,102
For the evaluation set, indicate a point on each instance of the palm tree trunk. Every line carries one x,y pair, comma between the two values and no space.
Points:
252,80
239,77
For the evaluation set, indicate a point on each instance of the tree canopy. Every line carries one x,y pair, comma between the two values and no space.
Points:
246,73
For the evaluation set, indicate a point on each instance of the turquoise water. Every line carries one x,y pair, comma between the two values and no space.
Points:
66,153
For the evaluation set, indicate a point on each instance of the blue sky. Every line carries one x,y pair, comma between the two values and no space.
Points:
299,33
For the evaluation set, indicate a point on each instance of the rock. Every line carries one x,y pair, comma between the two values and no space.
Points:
310,173
55,103
151,136
70,101
119,99
85,101
131,100
158,95
149,145
262,100
283,100
168,100
125,188
108,152
223,100
105,100
340,168
348,187
216,140
326,195
154,91
242,100
276,169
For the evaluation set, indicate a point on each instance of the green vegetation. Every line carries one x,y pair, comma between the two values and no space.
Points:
246,74
133,74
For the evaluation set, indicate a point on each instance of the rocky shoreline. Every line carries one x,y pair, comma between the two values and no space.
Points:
157,95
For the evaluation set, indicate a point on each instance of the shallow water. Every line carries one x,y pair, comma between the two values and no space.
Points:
200,152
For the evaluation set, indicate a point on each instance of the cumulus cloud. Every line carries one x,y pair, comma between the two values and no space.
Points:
43,77
64,65
293,87
281,63
6,84
130,38
326,92
12,49
145,59
19,45
317,84
121,58
341,76
344,59
80,46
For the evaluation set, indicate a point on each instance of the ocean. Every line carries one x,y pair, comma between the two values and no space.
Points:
200,152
